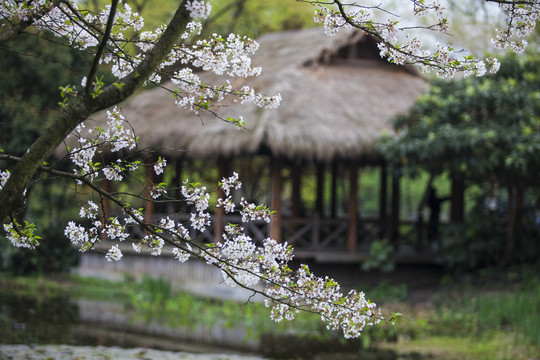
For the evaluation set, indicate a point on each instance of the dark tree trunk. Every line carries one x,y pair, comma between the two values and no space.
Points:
457,206
515,213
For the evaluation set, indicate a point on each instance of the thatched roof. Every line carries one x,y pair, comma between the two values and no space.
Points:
338,96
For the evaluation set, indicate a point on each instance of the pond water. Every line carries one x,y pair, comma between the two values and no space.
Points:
91,326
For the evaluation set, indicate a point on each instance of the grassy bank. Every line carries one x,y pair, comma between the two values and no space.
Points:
498,320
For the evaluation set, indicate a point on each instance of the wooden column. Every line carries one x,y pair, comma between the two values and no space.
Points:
333,190
457,205
104,209
352,229
219,221
277,187
296,196
319,205
177,185
383,201
420,214
515,214
149,183
394,221
296,200
106,185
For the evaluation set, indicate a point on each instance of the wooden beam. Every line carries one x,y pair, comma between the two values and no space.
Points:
277,188
352,229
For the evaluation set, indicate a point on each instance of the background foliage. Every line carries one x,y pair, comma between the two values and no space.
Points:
484,131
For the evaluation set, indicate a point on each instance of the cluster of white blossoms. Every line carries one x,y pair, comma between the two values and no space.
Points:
245,264
4,176
159,166
83,29
116,136
199,9
521,23
229,56
114,253
89,212
19,235
445,61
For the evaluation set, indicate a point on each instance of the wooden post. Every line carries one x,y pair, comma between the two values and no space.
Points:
383,200
457,205
516,202
219,221
106,205
352,229
420,214
333,199
150,181
106,185
394,221
277,187
177,185
319,205
296,202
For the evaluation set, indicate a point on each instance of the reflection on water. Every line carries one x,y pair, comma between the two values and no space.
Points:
26,320
61,321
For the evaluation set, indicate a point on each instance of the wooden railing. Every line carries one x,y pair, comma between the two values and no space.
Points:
310,234
321,239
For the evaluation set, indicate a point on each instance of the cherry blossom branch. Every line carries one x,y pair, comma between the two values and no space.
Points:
151,229
446,61
242,262
514,2
28,18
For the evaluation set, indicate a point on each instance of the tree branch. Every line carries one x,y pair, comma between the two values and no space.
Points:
513,2
80,110
101,47
22,25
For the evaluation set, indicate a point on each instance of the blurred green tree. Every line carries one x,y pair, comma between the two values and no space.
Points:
481,130
32,69
251,18
254,18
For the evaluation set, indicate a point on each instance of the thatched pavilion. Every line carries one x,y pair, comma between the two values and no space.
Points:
338,96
